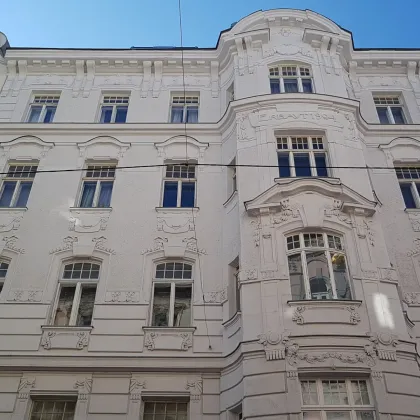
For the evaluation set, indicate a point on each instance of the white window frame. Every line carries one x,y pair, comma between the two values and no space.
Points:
180,181
312,140
189,99
98,180
79,283
52,398
409,179
299,76
43,98
302,250
18,180
351,408
173,283
3,279
122,100
390,101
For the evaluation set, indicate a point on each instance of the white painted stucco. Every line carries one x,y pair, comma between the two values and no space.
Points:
227,361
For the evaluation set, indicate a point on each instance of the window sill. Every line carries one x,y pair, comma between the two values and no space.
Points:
65,338
168,338
91,209
319,302
185,210
14,209
412,210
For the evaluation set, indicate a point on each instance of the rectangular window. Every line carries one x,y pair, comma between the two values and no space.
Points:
53,409
179,186
114,109
336,399
234,292
389,109
302,156
97,186
184,109
42,108
290,79
165,410
4,266
17,185
409,180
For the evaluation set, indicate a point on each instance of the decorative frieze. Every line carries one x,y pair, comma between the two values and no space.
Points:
168,339
218,296
122,296
25,295
412,298
60,338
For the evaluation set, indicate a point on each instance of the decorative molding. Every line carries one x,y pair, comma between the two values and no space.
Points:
90,224
68,242
149,340
65,338
244,129
384,81
158,245
298,315
218,296
25,295
191,245
136,386
122,296
99,244
25,385
250,274
287,50
175,225
186,341
335,210
292,374
354,315
195,386
170,338
416,248
412,298
10,223
370,274
10,244
84,386
384,339
288,211
377,375
270,340
270,275
256,225
414,220
389,274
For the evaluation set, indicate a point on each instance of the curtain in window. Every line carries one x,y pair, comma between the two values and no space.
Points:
192,115
275,86
188,194
177,114
106,114
170,194
35,114
25,189
121,115
49,114
105,194
291,86
7,194
88,194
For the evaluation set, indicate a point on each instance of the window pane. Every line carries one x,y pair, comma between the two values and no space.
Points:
309,392
88,194
312,415
297,284
291,85
319,277
170,194
364,415
407,195
360,392
338,415
35,114
302,164
284,166
161,301
121,115
105,194
321,164
65,304
398,115
7,193
342,285
335,392
307,85
275,85
177,114
192,114
23,194
383,115
87,302
188,194
182,310
106,114
49,114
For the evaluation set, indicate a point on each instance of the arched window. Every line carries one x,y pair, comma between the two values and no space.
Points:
291,78
172,291
76,294
317,267
4,266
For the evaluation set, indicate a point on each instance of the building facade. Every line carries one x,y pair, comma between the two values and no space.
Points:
241,241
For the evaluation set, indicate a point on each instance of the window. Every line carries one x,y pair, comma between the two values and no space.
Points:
53,409
4,266
302,156
409,179
230,93
290,79
184,109
232,179
317,267
17,185
389,109
336,400
172,291
179,186
42,108
234,286
165,410
97,186
114,109
76,295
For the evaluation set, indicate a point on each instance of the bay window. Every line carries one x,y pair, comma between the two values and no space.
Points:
291,78
317,267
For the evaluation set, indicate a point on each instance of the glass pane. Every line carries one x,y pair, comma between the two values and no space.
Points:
312,415
88,194
65,304
177,114
7,193
309,392
407,195
319,276
49,114
335,392
284,166
149,408
121,115
307,85
360,392
161,301
188,194
338,415
106,114
192,114
291,85
35,114
297,284
23,194
364,415
398,115
37,406
321,164
105,194
302,164
170,194
87,302
342,285
275,86
383,115
182,310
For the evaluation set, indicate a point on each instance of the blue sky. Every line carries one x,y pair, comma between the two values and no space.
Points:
126,23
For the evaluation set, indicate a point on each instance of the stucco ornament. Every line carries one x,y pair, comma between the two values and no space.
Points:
195,386
384,345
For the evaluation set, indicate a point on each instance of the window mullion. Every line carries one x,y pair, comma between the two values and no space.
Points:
292,164
42,114
178,194
390,116
415,193
96,195
171,306
281,84
332,280
305,275
76,302
312,163
300,85
114,113
15,194
54,309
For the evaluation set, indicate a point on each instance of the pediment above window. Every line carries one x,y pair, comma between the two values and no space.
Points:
309,194
26,148
402,149
103,148
179,147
